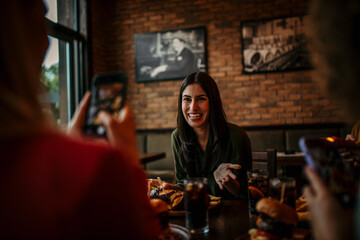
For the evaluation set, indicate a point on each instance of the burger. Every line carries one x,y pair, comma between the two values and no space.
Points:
275,222
174,198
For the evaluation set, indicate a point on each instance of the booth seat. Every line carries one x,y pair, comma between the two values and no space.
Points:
282,138
158,142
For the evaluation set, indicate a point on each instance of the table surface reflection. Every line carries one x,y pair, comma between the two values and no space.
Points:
228,221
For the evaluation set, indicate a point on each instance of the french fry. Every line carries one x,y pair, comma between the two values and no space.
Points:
159,180
148,188
214,203
303,216
214,198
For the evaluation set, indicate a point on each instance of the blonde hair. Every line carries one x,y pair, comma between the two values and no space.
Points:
20,112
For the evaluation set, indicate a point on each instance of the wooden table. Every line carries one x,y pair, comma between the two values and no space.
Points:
150,157
228,221
231,221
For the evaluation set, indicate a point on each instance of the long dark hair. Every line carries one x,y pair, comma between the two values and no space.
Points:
217,121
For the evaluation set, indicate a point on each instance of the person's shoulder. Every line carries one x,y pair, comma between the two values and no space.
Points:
76,143
79,148
238,136
235,128
236,131
85,158
175,133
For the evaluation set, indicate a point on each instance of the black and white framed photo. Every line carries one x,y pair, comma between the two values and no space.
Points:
169,55
275,45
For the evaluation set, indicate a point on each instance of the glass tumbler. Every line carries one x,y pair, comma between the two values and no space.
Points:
196,205
284,190
258,185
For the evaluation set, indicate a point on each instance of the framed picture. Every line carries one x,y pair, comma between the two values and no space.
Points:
275,45
169,55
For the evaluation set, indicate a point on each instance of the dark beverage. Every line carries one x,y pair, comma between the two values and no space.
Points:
258,185
196,205
284,190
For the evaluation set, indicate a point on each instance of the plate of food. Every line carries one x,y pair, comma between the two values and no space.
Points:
174,197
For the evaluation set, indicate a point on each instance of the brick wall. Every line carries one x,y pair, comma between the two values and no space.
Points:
259,99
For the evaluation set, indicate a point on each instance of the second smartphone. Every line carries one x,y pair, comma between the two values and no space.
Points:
109,94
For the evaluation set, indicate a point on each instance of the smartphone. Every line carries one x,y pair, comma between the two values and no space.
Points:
336,160
109,94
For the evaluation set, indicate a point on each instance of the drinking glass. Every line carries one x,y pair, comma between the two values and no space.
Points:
196,205
258,185
284,190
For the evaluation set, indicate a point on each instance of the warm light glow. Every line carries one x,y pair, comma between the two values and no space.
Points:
330,139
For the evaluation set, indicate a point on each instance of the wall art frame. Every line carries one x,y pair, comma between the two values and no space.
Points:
275,45
169,55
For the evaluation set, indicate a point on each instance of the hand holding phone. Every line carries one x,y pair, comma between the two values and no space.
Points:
108,94
336,161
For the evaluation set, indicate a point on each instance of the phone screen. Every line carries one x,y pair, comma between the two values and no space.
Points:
108,94
337,162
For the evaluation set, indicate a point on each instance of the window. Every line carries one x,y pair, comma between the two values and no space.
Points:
64,74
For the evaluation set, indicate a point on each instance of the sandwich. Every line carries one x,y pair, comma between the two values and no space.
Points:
275,222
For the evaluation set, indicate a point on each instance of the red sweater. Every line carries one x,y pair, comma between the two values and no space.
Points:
53,187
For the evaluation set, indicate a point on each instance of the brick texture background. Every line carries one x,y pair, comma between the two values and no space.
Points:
249,100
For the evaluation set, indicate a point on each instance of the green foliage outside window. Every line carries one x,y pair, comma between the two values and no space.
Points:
50,78
50,89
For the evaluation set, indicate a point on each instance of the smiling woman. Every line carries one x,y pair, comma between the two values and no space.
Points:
205,144
195,108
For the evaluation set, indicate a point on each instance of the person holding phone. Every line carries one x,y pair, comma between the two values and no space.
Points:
336,55
54,186
205,144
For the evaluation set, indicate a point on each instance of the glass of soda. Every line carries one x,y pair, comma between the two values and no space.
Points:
196,205
284,190
258,185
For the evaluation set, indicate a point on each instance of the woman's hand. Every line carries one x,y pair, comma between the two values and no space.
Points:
223,173
224,177
328,218
350,138
120,131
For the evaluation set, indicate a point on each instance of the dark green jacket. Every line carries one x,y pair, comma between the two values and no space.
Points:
238,151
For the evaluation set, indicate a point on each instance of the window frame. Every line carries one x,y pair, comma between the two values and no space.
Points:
75,58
